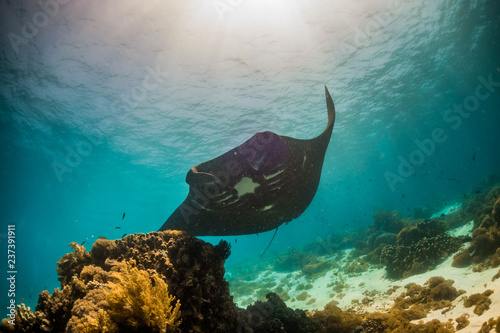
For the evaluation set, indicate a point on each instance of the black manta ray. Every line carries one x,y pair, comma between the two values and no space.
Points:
266,181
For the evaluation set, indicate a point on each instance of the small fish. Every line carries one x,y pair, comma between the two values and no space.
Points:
80,244
118,227
235,241
477,192
474,157
124,235
403,195
123,216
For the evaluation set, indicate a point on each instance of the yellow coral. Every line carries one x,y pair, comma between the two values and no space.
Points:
132,299
141,299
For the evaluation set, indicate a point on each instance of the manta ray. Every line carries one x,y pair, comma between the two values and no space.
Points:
266,181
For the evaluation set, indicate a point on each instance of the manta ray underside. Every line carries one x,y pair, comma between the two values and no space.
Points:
266,181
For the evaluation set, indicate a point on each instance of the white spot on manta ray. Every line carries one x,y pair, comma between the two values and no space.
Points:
268,207
274,174
246,186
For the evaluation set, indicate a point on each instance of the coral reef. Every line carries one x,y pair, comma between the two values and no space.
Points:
333,319
413,304
316,268
484,248
95,286
388,221
72,263
274,316
359,265
402,261
424,229
293,260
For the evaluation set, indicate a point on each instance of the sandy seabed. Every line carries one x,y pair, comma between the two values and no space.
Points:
368,291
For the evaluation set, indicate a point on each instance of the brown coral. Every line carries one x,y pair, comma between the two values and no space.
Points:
486,237
481,301
462,259
438,293
72,263
462,321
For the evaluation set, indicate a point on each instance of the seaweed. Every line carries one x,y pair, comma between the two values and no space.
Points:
437,293
132,300
489,325
480,301
462,321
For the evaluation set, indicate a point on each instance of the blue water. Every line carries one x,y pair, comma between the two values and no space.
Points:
106,106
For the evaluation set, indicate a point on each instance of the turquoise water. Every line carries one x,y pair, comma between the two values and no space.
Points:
105,107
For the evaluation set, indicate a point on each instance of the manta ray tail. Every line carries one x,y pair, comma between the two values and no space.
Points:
275,232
